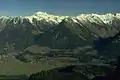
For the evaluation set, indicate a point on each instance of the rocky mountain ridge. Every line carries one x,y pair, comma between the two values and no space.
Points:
57,31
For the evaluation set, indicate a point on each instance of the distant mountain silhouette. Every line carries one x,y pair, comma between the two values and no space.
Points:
109,45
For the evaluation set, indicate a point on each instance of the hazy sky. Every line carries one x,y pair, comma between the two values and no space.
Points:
58,7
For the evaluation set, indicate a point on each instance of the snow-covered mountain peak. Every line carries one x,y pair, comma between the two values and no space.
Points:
41,13
46,17
43,17
105,18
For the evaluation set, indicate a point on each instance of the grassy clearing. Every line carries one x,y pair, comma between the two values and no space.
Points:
16,67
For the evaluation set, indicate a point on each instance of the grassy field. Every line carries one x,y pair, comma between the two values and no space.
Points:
16,67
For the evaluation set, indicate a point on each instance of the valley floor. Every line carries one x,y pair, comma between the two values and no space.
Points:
12,66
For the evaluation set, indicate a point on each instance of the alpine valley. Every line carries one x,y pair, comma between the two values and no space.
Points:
42,41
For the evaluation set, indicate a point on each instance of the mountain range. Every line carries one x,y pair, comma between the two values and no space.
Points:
101,31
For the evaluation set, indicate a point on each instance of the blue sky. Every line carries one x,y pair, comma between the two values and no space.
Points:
58,7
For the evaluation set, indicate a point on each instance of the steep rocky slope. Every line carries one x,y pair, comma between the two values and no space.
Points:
53,31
